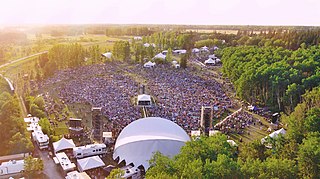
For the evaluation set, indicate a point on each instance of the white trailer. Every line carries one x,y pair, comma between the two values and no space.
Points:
89,150
41,139
11,167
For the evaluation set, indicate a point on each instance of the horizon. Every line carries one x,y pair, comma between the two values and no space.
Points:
161,12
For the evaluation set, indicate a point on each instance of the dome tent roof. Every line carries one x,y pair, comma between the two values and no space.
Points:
139,140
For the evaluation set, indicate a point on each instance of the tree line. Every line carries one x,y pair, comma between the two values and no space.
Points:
14,136
272,76
294,155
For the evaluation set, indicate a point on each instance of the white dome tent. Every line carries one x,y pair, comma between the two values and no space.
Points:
147,136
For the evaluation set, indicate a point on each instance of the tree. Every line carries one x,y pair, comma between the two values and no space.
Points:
183,61
116,174
309,156
33,165
169,55
223,167
197,159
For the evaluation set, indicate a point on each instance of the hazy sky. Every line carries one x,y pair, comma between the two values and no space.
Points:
215,12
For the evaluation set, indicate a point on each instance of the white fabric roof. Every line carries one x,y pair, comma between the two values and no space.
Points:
147,136
160,55
149,64
144,97
89,163
108,54
63,144
276,133
209,61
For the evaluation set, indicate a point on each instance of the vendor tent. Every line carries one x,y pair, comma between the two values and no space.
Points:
210,61
160,55
63,144
107,55
274,134
144,99
149,64
89,163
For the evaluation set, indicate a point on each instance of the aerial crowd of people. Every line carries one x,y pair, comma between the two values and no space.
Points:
179,94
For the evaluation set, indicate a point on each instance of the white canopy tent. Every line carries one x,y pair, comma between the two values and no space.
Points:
147,136
274,134
204,49
210,61
90,163
144,99
107,55
63,144
149,64
160,55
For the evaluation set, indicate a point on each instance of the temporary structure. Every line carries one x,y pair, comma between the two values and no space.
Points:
160,55
274,134
63,144
210,62
144,99
107,55
149,64
90,163
147,136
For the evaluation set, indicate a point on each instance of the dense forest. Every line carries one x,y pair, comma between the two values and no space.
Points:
14,136
272,76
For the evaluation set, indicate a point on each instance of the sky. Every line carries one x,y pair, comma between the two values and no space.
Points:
193,12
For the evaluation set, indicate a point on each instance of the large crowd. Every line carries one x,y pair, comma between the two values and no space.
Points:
179,94
236,122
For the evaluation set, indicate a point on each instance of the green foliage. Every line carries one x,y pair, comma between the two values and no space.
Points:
272,76
207,42
36,106
14,137
121,50
197,159
46,126
309,156
60,57
33,165
254,150
183,61
115,174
